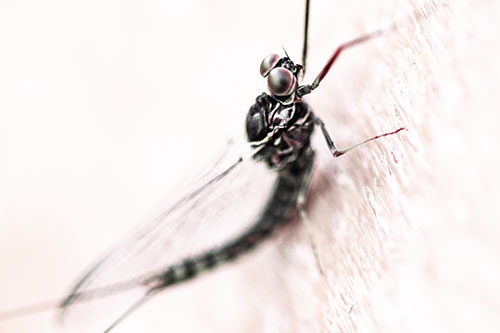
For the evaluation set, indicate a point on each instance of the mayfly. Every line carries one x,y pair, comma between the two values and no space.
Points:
279,127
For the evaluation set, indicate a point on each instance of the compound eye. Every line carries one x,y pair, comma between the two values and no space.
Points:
281,82
268,64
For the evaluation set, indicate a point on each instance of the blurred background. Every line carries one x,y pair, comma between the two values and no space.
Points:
106,105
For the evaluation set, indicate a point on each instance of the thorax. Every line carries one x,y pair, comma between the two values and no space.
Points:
289,127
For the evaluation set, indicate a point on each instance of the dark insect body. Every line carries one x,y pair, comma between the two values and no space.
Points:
283,133
279,210
279,127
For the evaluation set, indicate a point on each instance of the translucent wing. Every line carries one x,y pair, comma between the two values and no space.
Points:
226,201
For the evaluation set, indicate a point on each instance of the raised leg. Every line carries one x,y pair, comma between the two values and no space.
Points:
335,152
306,89
339,50
306,35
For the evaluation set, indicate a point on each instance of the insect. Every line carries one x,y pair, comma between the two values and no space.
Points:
279,126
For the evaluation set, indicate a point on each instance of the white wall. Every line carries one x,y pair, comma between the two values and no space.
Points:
105,105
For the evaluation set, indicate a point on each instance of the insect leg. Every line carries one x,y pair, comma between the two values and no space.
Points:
335,152
132,308
301,199
306,89
306,35
339,50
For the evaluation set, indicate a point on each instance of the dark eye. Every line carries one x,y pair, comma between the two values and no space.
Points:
268,63
281,82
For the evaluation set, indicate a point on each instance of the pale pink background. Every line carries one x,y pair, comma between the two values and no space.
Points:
104,105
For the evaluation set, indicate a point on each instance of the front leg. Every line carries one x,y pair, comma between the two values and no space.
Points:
335,152
269,137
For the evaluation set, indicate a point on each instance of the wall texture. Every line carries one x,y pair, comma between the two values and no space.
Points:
105,105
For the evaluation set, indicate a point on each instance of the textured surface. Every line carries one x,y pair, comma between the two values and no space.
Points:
406,228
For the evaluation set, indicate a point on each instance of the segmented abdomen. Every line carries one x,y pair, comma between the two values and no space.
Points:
280,209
